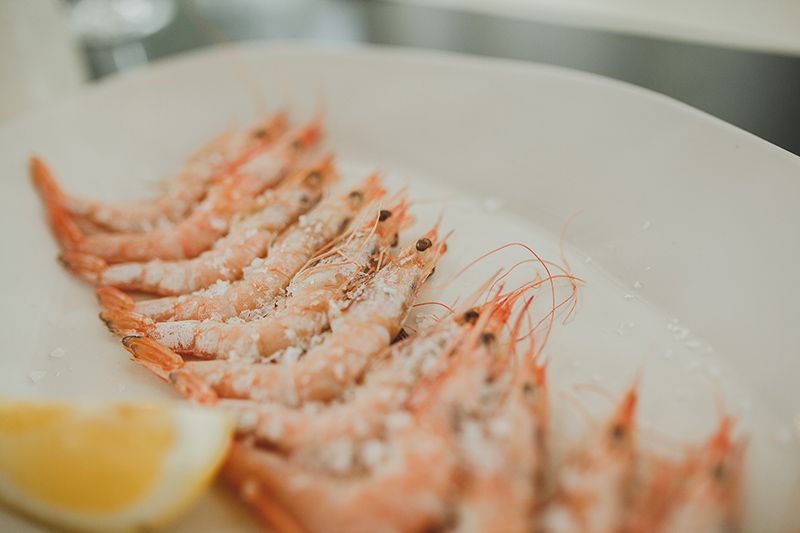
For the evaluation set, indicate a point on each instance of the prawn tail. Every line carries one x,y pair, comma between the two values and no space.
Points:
238,473
113,298
66,231
44,181
153,355
123,323
192,387
85,266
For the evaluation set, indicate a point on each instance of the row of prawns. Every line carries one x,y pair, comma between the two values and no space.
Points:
283,301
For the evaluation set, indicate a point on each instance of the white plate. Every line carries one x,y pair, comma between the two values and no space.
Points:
702,215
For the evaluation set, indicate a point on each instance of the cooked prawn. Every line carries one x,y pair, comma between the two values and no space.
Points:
595,486
219,157
710,499
247,240
503,459
263,279
502,440
304,311
406,491
209,221
365,412
364,329
375,406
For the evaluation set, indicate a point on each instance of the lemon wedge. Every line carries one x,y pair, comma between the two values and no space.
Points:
111,468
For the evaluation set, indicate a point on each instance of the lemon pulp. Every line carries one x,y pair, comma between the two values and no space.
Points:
45,449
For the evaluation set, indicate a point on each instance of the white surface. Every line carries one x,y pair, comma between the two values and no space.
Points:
694,218
764,25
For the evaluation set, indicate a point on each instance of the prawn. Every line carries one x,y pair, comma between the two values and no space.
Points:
503,459
405,482
407,490
219,157
304,311
209,221
375,406
503,447
247,240
328,369
263,279
710,499
595,487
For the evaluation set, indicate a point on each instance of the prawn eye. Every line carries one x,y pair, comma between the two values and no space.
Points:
314,178
470,316
260,133
617,432
719,472
402,334
487,338
395,240
384,214
423,244
356,196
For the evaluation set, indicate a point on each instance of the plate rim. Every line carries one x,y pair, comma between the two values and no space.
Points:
410,54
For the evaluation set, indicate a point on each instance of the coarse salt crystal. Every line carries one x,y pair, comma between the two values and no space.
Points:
37,375
679,332
372,452
398,420
637,284
646,225
248,420
217,224
58,353
341,455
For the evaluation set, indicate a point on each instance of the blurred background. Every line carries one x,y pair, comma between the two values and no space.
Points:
736,59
